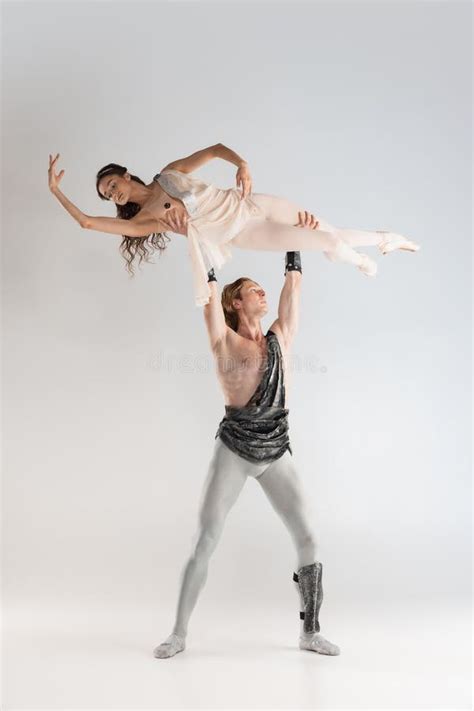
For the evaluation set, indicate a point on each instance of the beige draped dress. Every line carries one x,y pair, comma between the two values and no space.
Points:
216,216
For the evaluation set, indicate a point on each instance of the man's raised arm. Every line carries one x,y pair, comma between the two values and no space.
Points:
289,304
214,313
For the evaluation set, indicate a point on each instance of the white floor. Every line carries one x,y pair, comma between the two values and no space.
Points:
100,657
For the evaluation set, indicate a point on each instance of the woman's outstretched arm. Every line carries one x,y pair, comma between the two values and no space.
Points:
139,226
229,155
53,183
136,227
194,161
243,177
73,210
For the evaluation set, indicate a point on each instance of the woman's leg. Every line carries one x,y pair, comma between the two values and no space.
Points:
226,476
279,209
278,231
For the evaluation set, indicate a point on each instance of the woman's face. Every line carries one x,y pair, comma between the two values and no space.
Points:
116,187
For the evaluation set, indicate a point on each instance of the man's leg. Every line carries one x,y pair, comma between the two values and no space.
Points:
283,487
226,476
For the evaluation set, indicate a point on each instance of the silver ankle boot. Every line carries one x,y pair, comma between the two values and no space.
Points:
309,579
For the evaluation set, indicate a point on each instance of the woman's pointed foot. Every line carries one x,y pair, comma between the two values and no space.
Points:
367,265
392,241
171,646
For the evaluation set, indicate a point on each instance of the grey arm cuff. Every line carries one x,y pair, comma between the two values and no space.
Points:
293,262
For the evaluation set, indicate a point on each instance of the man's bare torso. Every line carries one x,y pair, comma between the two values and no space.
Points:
240,364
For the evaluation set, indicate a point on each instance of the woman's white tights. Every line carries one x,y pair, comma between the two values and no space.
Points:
276,231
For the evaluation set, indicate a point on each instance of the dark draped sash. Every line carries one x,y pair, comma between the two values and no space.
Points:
259,430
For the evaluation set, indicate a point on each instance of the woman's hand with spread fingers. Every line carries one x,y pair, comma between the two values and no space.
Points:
53,179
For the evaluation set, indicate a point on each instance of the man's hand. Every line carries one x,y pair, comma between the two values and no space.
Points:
177,221
307,219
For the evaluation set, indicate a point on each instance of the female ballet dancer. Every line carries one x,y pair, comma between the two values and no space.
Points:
216,218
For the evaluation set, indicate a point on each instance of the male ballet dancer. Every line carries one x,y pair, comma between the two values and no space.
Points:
252,440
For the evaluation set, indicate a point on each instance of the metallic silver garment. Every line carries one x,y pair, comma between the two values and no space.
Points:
259,430
309,579
169,186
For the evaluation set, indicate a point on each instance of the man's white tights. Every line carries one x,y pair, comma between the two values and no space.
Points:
226,477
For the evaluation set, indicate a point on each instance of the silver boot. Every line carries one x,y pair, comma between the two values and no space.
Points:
309,579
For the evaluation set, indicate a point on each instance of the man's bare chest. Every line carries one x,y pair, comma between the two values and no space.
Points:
242,365
247,366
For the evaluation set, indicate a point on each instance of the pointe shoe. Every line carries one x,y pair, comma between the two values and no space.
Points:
393,241
367,266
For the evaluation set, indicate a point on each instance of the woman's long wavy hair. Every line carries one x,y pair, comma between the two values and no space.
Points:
229,293
130,247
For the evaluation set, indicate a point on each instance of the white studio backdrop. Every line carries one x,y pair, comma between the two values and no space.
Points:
360,114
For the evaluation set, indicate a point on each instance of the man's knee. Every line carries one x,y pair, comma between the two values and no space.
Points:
207,541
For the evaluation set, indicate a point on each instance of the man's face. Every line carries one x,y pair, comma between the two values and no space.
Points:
253,300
